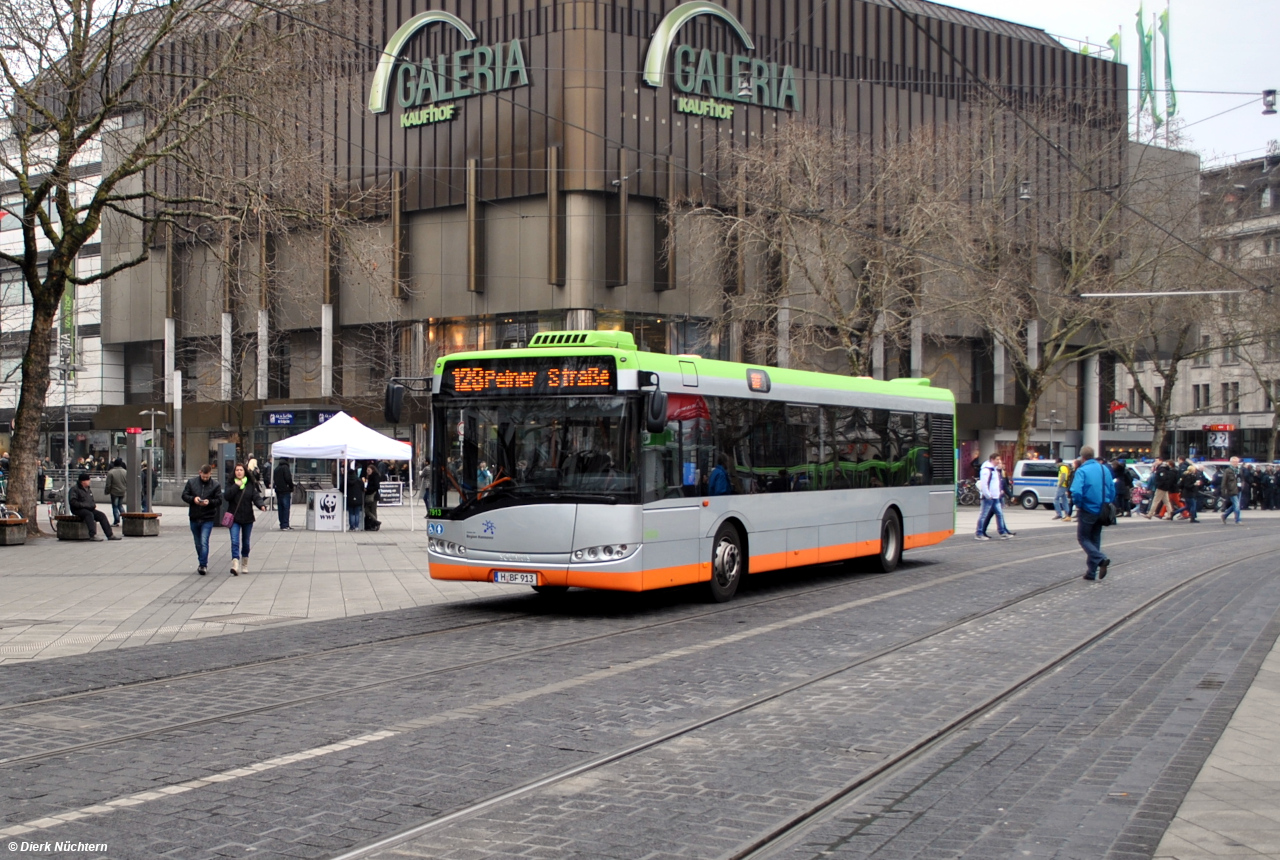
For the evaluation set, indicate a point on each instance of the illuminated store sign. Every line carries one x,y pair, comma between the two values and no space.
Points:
420,87
707,76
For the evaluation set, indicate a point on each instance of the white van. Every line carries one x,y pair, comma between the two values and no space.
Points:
1035,482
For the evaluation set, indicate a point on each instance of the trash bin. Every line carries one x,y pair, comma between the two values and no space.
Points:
324,510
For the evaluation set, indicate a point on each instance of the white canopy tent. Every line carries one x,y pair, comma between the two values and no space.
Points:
344,438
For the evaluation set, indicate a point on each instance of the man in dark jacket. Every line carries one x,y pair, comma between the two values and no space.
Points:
282,478
355,496
1092,486
1166,478
117,486
203,496
1230,491
84,507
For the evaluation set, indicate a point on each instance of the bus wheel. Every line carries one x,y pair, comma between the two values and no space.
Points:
551,590
890,543
728,564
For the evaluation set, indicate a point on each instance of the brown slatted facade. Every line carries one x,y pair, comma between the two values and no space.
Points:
862,66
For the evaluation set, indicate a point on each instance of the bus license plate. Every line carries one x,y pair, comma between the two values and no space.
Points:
515,577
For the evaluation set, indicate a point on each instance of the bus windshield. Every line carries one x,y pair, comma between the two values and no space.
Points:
495,452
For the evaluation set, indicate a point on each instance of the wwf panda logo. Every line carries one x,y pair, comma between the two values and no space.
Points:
328,504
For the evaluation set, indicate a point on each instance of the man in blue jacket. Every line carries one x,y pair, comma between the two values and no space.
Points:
1092,487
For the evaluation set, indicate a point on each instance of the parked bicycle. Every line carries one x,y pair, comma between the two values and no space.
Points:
54,511
7,513
967,492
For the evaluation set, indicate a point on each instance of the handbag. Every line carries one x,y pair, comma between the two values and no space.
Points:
228,518
1108,514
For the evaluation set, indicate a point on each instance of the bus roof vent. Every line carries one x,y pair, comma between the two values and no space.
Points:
606,339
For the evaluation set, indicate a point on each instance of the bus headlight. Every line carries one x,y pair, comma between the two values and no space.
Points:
608,552
446,547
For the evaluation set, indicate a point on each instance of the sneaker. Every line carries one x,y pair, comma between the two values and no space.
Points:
100,537
1066,519
984,537
1057,518
1006,535
202,570
1102,568
115,537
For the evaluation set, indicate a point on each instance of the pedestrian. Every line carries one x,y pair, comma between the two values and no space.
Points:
372,483
242,497
283,481
1189,489
992,491
1165,479
483,476
144,477
1230,490
1092,487
1060,495
117,486
203,496
355,496
85,508
1124,488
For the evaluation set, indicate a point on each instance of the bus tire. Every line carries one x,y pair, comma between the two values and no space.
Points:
551,590
890,543
728,563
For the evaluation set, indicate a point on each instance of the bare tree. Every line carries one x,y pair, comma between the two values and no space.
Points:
158,84
814,244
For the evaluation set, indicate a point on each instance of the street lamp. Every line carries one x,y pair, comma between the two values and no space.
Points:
1053,419
151,457
66,369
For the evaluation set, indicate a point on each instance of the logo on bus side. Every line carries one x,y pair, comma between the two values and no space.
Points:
705,77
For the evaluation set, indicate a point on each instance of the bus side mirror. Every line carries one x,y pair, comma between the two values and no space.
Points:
393,402
655,414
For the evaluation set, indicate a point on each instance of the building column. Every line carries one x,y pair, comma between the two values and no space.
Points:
877,348
326,350
917,347
581,319
224,389
784,332
997,373
1092,389
263,352
170,356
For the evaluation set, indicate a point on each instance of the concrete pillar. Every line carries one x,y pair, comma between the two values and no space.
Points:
997,373
877,348
133,484
263,352
917,347
1033,343
326,350
170,356
986,442
1092,387
582,249
177,426
784,332
224,387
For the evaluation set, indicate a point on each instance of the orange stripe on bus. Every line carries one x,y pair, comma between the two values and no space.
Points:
926,539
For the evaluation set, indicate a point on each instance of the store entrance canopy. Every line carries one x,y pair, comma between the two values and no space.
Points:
342,437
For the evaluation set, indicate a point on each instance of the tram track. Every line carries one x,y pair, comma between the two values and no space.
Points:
865,781
348,690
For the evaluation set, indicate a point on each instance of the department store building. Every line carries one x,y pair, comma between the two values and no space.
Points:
521,155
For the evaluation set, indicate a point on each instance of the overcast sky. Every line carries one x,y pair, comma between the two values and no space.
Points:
1218,45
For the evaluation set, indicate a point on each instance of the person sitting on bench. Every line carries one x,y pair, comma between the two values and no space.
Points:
86,509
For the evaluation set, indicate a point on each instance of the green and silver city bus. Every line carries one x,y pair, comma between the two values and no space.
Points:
581,461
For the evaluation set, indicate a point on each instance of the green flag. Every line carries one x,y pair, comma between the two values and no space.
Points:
1170,97
1144,63
1114,44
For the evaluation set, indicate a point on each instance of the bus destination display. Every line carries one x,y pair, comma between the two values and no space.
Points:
524,376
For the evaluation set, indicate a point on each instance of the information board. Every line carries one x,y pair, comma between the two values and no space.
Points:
391,494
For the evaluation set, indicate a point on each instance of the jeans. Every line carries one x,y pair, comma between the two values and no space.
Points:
989,507
200,531
1089,535
240,533
117,508
1189,507
353,518
283,503
1233,504
1060,502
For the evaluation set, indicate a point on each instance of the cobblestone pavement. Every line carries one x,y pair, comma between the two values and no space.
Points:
466,700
